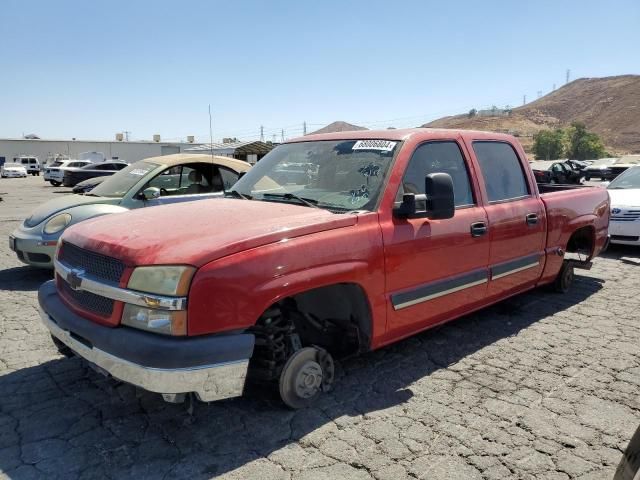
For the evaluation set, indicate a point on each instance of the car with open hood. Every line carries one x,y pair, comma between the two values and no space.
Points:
153,181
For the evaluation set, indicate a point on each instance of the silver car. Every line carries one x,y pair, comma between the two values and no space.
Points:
149,182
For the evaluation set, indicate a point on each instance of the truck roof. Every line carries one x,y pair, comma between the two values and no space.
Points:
402,134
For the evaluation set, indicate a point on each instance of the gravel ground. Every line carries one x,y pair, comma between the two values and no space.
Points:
541,386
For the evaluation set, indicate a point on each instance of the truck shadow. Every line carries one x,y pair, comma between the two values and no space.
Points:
625,253
24,279
60,418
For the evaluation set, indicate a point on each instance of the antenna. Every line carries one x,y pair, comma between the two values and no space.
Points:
261,133
282,135
568,75
126,135
210,131
554,86
304,128
524,100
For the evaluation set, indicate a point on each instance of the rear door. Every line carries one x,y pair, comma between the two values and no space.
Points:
436,269
516,215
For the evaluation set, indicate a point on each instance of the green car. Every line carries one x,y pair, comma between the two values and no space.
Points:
153,181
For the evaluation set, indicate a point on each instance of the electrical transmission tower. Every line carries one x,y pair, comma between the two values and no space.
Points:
261,133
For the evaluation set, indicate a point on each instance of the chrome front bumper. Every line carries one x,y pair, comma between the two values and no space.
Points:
209,383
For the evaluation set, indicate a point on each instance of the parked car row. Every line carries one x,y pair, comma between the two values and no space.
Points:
331,245
552,172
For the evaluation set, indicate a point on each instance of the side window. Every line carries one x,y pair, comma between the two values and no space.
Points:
229,177
502,171
438,157
192,182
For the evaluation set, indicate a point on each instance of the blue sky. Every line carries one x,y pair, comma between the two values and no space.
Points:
88,69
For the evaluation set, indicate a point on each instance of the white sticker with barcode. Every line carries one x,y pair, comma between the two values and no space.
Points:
381,145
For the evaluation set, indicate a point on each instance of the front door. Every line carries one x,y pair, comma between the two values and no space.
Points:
436,269
517,219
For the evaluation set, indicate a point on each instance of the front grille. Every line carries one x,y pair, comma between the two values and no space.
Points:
626,216
88,301
94,264
625,238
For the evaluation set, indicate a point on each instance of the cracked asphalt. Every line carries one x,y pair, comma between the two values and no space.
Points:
541,386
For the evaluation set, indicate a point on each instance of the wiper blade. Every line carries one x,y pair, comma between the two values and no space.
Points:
237,194
309,202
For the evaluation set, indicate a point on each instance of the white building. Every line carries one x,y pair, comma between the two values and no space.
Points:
129,151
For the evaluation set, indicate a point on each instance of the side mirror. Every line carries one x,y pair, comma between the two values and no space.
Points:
150,193
438,202
439,189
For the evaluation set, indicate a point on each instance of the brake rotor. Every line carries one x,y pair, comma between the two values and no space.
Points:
307,372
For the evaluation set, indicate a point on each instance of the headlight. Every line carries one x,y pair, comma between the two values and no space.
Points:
157,321
57,223
162,280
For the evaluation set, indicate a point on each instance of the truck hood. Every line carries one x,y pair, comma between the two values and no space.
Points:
624,197
64,202
200,232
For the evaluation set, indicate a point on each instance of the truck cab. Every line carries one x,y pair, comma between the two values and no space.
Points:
373,237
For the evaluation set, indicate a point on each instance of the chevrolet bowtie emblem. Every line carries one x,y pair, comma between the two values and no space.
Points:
74,278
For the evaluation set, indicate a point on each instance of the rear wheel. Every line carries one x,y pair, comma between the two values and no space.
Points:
565,277
54,183
587,178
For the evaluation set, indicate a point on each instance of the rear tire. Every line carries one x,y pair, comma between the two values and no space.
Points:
55,184
564,280
587,178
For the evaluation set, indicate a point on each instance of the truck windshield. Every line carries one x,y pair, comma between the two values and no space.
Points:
121,182
337,175
629,179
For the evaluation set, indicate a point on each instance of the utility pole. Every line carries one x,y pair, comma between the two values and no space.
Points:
524,100
274,138
304,128
126,135
261,133
210,131
554,87
568,74
282,135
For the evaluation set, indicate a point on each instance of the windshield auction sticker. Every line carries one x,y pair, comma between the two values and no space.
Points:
380,145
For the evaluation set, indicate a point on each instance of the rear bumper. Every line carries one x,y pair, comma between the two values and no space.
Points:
213,367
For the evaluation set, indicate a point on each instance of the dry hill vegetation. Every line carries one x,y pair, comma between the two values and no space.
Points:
608,106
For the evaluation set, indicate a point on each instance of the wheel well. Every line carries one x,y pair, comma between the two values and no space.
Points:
335,318
341,309
582,241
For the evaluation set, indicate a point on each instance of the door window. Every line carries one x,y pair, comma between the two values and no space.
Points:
180,180
438,157
502,171
229,177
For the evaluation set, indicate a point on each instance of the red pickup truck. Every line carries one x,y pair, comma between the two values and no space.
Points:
331,245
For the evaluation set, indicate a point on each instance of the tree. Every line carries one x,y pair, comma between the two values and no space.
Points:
584,144
472,113
550,144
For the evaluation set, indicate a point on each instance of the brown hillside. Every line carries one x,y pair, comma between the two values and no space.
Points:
339,127
609,106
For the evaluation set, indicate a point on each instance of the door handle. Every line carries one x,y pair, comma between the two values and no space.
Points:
478,229
531,219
